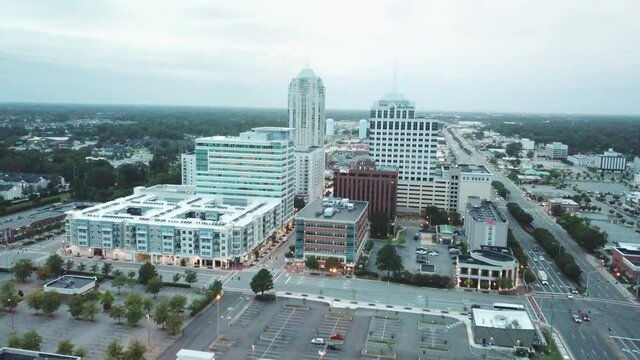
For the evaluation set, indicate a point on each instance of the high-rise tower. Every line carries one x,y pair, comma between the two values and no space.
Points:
306,109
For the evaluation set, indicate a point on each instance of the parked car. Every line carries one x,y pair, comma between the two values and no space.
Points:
576,318
586,317
317,341
569,296
336,336
333,347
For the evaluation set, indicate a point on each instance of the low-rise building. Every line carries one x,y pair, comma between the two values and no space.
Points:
10,192
564,205
506,328
332,228
626,260
580,160
610,161
527,145
185,354
445,234
484,224
171,223
632,200
7,353
71,284
556,150
483,268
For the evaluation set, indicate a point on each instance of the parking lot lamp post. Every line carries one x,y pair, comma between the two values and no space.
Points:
13,330
218,315
148,331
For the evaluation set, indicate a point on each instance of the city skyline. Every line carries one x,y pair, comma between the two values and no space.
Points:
457,57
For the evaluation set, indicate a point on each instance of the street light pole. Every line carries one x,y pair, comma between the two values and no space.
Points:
13,330
218,315
148,331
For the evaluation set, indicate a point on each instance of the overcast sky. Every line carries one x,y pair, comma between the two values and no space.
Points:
579,56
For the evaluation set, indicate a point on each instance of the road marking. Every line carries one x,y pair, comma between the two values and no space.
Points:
624,338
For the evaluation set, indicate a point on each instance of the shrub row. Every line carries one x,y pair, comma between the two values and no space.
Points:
518,252
425,280
366,274
521,216
586,236
500,188
565,262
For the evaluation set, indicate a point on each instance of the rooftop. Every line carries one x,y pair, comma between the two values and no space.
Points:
71,282
561,201
7,353
444,229
484,210
502,319
473,169
179,205
330,209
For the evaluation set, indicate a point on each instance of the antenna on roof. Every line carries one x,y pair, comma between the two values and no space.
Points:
394,81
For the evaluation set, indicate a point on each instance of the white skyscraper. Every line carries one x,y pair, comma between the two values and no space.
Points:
307,118
256,164
306,109
188,162
363,127
331,128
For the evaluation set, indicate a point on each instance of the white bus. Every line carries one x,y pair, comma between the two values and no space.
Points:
507,306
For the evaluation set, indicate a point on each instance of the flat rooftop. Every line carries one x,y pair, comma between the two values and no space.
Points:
19,354
484,211
473,169
315,210
562,201
177,205
502,319
70,282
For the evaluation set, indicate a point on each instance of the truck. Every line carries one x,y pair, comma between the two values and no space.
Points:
542,276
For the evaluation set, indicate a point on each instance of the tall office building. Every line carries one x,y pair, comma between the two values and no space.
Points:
188,166
331,128
484,224
556,150
307,118
398,139
256,164
306,109
363,129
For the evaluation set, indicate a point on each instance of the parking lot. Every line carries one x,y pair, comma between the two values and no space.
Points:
288,328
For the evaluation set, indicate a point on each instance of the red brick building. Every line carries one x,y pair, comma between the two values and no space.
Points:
626,260
363,182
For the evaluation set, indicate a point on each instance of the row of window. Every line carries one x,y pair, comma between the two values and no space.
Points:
392,113
404,125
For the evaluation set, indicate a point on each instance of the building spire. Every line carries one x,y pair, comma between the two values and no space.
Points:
394,81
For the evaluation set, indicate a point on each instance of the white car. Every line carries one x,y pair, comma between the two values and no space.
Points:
433,253
541,258
577,319
569,296
535,258
317,341
421,252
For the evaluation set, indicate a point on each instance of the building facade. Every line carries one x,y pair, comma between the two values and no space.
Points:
188,166
556,150
580,160
483,268
527,145
256,164
306,109
610,161
473,180
562,205
309,164
330,128
170,223
506,328
364,182
332,228
626,260
363,129
10,192
484,224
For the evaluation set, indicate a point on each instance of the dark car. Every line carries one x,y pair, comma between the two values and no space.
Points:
586,317
333,347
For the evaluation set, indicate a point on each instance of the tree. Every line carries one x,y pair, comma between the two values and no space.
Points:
75,303
119,281
135,350
15,341
55,264
65,347
94,268
8,297
513,149
90,309
388,259
177,277
505,283
298,202
190,276
68,265
177,303
81,267
23,269
154,286
468,282
133,307
379,225
43,273
262,281
146,272
51,302
31,340
162,313
106,268
107,300
34,301
80,352
312,263
174,323
117,312
147,305
115,351
332,263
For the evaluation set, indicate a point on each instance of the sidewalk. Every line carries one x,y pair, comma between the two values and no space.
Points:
562,347
603,271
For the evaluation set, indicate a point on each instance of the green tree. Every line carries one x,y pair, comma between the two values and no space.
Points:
146,272
31,340
177,303
147,305
115,351
81,267
174,323
94,268
80,352
312,263
43,273
513,149
106,268
505,283
262,281
162,313
15,341
75,303
133,305
55,264
119,281
468,282
68,265
65,347
51,302
23,269
388,259
333,263
117,312
379,225
107,299
90,309
135,350
8,297
34,301
177,277
190,276
154,286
